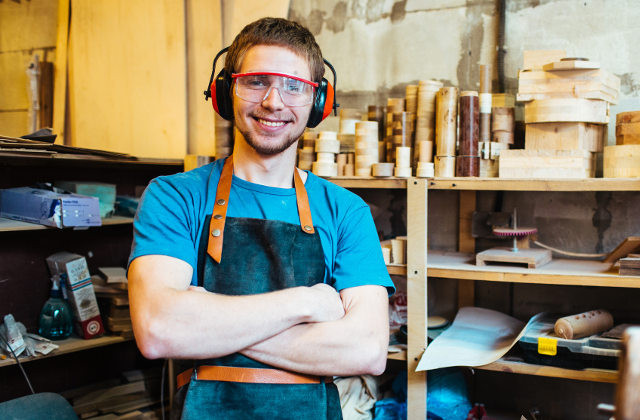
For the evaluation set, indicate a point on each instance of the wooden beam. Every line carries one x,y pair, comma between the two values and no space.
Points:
60,72
417,296
466,243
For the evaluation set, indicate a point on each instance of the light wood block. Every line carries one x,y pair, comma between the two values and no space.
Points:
628,117
565,136
589,84
571,65
535,59
621,161
541,164
533,258
567,110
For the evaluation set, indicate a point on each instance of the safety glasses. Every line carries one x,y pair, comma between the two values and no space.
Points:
256,87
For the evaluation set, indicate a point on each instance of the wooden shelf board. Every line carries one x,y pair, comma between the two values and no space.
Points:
397,269
69,345
591,375
456,265
401,355
503,184
8,225
371,182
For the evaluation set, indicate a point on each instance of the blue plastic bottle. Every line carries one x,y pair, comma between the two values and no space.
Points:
56,319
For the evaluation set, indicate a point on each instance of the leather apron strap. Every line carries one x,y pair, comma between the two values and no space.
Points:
221,203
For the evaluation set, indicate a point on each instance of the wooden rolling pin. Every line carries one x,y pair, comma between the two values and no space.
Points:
581,325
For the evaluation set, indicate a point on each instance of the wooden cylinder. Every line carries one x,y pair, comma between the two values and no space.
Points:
467,165
425,151
377,113
383,169
485,102
445,166
581,325
622,161
628,117
503,119
446,127
469,129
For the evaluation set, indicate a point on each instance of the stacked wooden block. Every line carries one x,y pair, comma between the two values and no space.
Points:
566,111
623,159
327,147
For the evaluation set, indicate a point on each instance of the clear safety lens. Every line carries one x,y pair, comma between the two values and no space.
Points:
257,87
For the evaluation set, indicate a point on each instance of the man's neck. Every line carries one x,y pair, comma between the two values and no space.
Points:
270,170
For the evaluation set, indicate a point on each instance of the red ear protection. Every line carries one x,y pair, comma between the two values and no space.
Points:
219,90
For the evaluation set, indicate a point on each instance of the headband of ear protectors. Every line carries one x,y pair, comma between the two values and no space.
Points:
219,90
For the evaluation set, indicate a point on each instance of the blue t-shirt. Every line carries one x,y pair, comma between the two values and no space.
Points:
173,209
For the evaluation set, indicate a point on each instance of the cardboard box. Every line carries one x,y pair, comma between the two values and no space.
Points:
80,292
105,193
49,208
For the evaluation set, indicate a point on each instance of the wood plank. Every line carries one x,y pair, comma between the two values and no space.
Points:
238,13
535,59
566,110
397,269
401,355
627,395
70,345
532,258
551,184
204,40
571,65
417,296
621,160
629,245
127,77
590,375
60,72
466,243
8,225
540,164
455,265
14,123
361,182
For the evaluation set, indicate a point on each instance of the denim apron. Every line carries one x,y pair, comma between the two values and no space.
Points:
256,256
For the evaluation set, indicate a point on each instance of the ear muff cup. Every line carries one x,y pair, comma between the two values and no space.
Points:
322,105
221,95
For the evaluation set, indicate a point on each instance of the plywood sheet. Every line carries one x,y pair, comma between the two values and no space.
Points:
14,124
238,13
27,24
204,40
127,77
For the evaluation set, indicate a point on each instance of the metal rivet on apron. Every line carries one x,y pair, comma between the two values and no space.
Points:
215,232
221,202
307,228
217,216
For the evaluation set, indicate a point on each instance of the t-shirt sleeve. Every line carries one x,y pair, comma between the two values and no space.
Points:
162,225
359,258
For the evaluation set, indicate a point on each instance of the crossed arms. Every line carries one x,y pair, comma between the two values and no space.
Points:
312,330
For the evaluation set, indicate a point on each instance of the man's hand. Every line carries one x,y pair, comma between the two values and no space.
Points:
327,302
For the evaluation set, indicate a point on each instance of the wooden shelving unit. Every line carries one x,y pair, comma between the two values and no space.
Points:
461,266
9,225
69,345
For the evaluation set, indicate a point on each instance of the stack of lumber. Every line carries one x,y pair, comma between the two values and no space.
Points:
566,111
134,396
623,159
113,300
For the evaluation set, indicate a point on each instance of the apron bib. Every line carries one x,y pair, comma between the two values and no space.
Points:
256,256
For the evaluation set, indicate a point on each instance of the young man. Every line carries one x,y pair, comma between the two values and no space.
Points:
263,279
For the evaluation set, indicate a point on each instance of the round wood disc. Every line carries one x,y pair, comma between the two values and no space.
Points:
436,322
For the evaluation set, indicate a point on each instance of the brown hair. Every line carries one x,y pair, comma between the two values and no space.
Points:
281,32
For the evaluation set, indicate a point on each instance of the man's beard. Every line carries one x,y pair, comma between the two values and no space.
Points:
270,148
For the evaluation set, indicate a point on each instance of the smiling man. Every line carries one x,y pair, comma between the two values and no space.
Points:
262,280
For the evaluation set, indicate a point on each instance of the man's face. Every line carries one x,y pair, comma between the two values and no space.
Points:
271,127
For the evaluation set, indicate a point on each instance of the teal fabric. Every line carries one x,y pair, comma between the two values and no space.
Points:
258,256
172,212
44,405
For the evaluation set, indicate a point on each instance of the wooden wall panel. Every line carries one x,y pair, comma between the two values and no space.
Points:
237,13
27,24
14,123
204,40
127,77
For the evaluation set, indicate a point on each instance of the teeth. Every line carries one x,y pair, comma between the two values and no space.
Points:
271,123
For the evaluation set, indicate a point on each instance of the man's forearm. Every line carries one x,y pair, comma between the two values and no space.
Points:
355,344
